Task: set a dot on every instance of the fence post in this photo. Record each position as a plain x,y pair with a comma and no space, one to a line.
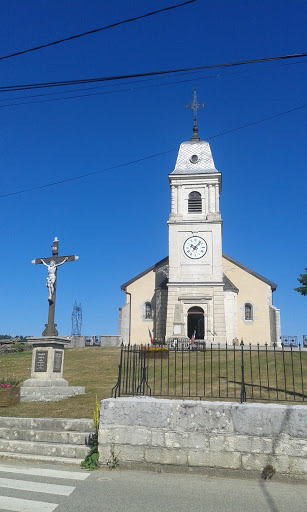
243,391
116,388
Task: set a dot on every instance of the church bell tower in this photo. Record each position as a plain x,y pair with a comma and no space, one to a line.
195,303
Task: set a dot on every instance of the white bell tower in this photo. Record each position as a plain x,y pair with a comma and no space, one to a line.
195,287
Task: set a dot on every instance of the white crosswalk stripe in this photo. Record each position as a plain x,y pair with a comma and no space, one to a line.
25,485
54,473
19,503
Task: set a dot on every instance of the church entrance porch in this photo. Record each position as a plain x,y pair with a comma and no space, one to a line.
196,323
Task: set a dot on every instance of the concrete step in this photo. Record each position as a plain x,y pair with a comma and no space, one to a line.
52,424
61,440
52,394
49,449
39,458
44,436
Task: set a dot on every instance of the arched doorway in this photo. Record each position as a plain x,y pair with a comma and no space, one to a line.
196,321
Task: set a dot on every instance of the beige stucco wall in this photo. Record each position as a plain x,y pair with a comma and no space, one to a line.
257,293
141,291
251,290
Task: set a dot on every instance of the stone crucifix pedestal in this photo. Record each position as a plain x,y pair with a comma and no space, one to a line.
46,382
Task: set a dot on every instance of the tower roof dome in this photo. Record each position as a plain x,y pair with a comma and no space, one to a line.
194,158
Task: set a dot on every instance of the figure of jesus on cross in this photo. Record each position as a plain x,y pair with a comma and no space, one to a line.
51,278
54,262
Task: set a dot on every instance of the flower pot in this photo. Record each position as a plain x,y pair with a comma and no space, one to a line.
9,396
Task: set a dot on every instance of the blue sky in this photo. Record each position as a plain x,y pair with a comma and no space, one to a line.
116,220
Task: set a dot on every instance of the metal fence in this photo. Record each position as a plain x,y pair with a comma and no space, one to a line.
214,372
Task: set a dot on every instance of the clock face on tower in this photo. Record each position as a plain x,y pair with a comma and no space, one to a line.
195,247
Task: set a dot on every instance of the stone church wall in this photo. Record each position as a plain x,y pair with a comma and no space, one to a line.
160,313
190,435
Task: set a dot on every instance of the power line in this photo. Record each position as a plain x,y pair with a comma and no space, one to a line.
107,85
147,157
63,83
112,25
113,91
133,82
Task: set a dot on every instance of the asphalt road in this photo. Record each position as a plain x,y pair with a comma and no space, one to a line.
26,487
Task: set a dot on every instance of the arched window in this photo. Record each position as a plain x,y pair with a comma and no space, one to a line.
248,312
148,310
194,202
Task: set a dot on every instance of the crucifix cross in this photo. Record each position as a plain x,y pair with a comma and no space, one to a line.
52,264
195,105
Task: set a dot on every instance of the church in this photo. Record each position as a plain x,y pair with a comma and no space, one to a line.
198,292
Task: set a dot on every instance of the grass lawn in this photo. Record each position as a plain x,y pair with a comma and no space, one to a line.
93,367
195,374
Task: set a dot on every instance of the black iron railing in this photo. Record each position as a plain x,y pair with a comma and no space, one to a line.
214,372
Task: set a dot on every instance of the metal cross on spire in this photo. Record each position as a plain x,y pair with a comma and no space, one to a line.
195,105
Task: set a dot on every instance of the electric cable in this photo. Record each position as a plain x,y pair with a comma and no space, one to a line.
112,25
219,75
74,178
63,83
112,91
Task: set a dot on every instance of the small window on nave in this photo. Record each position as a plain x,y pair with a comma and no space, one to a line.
148,310
194,202
248,312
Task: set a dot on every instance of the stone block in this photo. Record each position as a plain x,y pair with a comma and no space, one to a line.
288,446
298,465
49,449
217,443
125,435
259,419
53,424
164,456
257,462
248,444
158,438
214,459
34,436
297,421
46,383
105,454
128,453
110,341
142,411
49,394
205,416
186,440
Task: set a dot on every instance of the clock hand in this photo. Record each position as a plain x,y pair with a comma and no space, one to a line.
194,247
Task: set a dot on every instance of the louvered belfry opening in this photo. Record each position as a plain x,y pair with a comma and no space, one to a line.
194,202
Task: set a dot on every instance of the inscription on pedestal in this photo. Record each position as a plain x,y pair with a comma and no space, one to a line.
41,358
57,361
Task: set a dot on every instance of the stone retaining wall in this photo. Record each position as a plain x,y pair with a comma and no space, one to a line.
188,435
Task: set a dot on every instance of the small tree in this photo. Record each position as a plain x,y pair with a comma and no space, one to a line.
303,280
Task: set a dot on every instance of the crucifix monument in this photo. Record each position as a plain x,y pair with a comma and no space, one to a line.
54,261
46,382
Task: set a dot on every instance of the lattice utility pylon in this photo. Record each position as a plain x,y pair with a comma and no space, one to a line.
76,319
